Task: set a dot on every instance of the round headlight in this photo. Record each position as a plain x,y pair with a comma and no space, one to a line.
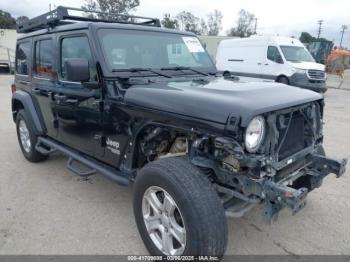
254,134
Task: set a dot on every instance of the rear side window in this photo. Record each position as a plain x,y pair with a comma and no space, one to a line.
22,58
43,58
273,54
76,47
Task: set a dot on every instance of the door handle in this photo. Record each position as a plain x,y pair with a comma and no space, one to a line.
266,64
71,101
59,97
259,64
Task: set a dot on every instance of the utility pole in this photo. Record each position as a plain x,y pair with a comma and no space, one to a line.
256,25
320,22
343,28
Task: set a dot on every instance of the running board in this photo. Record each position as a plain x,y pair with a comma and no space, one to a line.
113,174
75,170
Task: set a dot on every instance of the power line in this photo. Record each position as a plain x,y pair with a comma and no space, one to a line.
343,28
320,22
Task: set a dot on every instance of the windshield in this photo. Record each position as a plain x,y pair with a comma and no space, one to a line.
296,54
127,49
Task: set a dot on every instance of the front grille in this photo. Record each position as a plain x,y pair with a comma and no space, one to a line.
316,74
297,129
292,139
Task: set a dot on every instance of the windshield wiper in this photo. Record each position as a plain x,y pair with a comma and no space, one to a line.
136,69
180,68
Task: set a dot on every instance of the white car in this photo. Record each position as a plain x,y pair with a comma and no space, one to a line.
272,58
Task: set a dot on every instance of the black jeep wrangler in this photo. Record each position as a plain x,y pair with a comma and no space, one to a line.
146,106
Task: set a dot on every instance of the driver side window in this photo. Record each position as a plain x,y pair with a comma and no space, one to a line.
77,47
273,54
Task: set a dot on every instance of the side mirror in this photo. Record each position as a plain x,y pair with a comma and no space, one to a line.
279,59
77,70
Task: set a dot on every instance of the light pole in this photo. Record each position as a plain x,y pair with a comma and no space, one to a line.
343,28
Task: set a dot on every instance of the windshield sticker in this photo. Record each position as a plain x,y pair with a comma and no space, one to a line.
193,44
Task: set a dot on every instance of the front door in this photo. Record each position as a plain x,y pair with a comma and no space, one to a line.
77,107
273,63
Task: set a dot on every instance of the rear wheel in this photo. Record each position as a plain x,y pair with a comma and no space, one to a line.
177,210
27,139
283,80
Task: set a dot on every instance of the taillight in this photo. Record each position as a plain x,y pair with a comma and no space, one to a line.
13,88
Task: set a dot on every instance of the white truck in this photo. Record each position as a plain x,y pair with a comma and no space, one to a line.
272,58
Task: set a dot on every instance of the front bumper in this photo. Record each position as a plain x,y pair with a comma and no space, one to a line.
302,80
292,192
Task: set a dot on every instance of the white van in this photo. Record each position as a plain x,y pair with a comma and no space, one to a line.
272,58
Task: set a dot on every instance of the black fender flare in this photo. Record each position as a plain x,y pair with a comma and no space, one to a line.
26,100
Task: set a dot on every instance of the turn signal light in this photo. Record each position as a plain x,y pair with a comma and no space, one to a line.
13,88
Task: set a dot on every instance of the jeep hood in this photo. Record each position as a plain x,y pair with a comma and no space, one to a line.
215,100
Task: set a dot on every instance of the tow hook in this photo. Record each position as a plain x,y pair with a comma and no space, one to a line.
279,196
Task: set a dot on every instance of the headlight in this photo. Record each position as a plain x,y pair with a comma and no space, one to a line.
300,71
254,134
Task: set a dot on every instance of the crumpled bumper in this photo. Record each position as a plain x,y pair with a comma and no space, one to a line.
280,195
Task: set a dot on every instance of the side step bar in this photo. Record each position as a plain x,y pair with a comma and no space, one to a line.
113,174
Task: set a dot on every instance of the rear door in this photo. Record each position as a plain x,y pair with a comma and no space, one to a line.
44,80
23,65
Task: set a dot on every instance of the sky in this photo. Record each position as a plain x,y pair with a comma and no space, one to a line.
275,17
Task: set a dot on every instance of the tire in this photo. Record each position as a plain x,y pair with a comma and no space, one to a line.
201,211
283,80
28,149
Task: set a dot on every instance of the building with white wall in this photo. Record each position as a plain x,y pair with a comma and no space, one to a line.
7,49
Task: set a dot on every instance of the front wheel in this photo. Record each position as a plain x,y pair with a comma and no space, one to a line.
177,210
283,80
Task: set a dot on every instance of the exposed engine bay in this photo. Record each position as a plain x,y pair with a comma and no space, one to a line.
287,165
159,142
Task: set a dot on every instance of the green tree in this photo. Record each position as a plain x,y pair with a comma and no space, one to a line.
189,22
110,6
245,25
203,29
6,20
169,22
214,22
305,37
22,19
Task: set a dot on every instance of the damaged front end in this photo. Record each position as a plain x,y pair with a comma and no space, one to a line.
288,165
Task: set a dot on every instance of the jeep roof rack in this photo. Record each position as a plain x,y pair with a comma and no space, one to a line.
56,17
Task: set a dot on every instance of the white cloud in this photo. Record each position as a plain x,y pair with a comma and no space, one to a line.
274,16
